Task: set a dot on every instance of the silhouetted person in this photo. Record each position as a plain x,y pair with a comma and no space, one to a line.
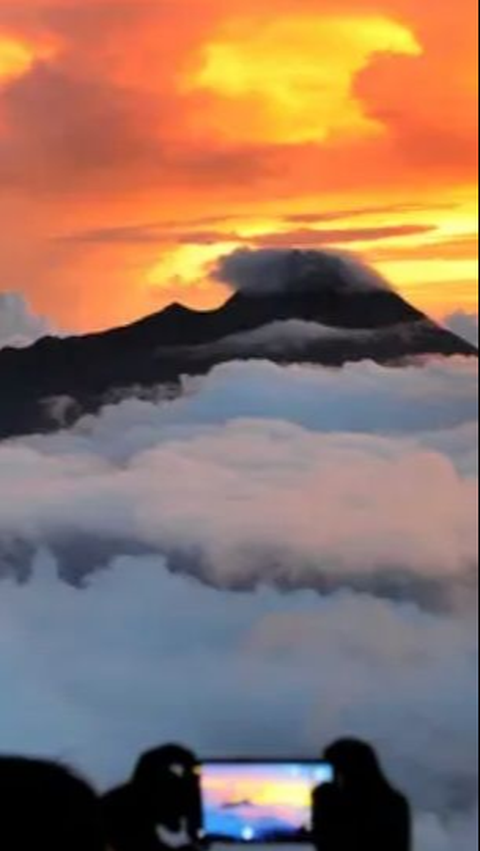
45,806
161,806
360,811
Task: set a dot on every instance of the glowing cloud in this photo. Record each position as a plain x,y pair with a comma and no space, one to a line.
248,118
185,272
279,91
18,57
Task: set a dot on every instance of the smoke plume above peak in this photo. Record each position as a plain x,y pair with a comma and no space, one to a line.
280,271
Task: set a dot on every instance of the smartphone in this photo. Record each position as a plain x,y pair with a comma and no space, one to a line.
267,802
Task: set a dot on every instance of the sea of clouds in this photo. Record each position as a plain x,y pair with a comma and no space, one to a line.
279,557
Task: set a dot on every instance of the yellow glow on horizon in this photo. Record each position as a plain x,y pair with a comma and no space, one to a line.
18,57
184,272
429,271
291,793
425,267
187,265
292,81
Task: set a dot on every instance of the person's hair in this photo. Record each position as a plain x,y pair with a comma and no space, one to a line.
155,764
44,805
357,764
163,794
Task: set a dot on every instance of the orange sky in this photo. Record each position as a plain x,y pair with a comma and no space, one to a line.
142,139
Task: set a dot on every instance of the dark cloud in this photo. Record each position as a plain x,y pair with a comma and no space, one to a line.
360,212
464,247
309,237
148,234
164,235
92,129
279,270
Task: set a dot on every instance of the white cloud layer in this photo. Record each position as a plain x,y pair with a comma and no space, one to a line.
279,270
142,656
360,484
288,340
252,503
240,499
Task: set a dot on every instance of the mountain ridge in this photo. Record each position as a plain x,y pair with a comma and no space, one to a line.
89,370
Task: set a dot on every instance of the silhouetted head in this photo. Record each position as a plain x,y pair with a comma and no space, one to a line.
162,779
156,765
45,806
356,764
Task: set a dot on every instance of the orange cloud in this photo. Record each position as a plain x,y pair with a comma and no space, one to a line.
271,87
15,58
245,113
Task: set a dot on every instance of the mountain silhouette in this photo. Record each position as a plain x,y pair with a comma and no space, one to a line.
323,317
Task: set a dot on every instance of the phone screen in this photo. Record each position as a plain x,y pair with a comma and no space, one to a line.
264,802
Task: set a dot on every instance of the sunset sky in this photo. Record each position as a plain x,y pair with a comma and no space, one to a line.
140,140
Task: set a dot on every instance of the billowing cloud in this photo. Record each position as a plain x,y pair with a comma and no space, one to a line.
353,489
18,326
115,669
359,398
288,339
239,522
284,270
434,834
270,75
309,512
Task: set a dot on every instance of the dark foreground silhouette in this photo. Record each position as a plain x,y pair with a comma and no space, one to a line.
44,806
360,811
160,807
